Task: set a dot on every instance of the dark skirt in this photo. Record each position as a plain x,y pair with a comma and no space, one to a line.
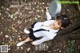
31,35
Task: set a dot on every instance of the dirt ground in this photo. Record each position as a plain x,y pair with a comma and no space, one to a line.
15,15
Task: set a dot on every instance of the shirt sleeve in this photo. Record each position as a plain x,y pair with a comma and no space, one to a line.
48,15
50,35
48,22
37,42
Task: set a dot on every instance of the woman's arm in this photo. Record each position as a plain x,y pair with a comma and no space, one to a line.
48,16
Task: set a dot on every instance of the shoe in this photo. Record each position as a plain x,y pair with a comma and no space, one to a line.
20,43
26,31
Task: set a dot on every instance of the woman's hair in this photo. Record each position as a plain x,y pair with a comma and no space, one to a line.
64,20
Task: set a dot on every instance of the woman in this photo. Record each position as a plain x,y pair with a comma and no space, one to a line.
45,31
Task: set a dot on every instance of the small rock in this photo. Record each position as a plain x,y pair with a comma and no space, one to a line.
35,3
30,20
47,46
37,6
21,47
30,12
33,8
2,18
20,38
67,9
43,3
1,32
7,8
36,18
54,49
28,49
19,22
25,21
3,42
0,13
18,47
49,51
12,16
42,10
64,46
26,8
48,4
38,10
6,36
59,50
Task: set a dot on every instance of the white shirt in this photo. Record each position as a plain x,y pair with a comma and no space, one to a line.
46,35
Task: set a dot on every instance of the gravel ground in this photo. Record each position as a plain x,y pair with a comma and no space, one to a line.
15,15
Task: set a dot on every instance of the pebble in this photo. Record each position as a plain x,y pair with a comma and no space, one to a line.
54,49
30,12
3,42
20,38
25,21
6,36
38,10
47,3
30,20
42,10
11,16
64,46
1,32
47,46
35,3
59,50
19,22
29,4
36,18
26,8
21,47
43,3
2,18
49,51
33,8
67,9
28,49
10,38
18,47
7,8
0,13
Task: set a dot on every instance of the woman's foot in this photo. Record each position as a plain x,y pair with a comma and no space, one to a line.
20,43
26,31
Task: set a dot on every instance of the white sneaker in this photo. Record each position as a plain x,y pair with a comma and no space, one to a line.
26,31
20,43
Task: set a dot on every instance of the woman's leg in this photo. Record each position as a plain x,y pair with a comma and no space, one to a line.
22,42
27,40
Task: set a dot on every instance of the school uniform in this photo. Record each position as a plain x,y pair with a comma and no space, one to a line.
40,33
